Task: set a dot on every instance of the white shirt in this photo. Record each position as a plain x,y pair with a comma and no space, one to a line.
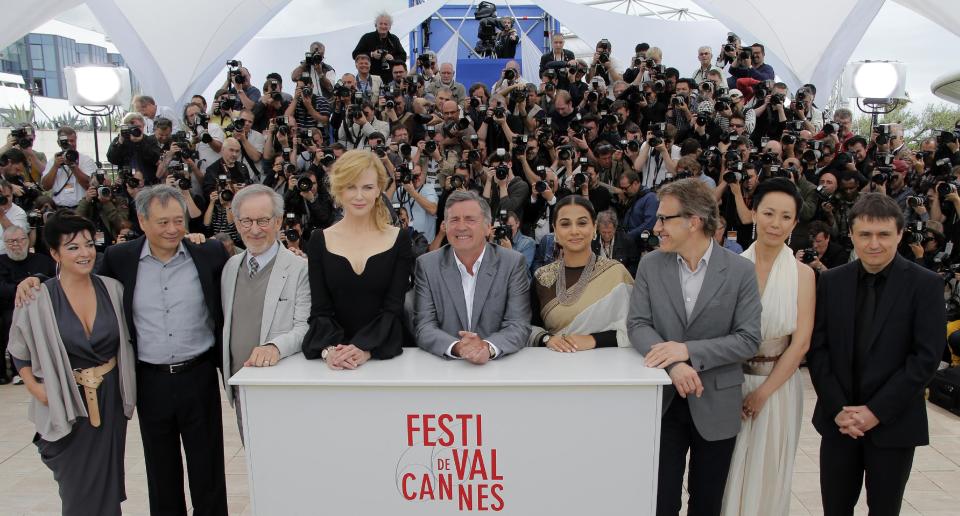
468,280
70,192
692,281
18,217
652,175
257,140
205,151
162,112
419,218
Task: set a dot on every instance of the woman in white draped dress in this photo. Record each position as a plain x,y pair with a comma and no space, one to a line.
762,467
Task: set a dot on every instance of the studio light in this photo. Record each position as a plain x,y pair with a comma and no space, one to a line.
875,80
97,85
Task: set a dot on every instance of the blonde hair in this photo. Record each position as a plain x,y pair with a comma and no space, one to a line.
346,171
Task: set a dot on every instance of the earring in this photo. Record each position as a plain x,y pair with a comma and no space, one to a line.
58,270
789,238
753,235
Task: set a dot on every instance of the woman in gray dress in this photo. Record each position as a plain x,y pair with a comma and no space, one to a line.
73,351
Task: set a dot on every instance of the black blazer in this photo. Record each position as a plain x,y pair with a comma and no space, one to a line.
908,341
547,58
122,261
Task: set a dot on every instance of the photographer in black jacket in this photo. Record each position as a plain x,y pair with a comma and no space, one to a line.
135,149
382,47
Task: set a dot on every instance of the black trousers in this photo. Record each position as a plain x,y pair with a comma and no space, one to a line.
182,407
709,465
6,320
845,461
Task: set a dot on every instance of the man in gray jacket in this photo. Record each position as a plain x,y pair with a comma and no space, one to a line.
695,311
472,297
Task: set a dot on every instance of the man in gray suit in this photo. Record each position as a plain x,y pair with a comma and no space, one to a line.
472,297
265,291
695,311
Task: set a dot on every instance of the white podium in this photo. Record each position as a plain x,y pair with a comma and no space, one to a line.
534,433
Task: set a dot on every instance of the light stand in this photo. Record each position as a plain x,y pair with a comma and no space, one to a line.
95,112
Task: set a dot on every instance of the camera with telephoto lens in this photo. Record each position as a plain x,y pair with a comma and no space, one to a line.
731,177
501,230
290,233
230,102
312,58
181,174
649,239
430,147
328,158
564,152
405,173
35,218
914,233
788,139
579,179
744,55
916,201
24,136
831,128
777,99
127,130
501,171
456,181
103,192
304,183
810,255
341,91
945,188
883,132
380,150
881,176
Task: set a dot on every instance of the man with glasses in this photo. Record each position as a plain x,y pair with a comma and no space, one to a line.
266,279
251,143
701,335
18,264
705,56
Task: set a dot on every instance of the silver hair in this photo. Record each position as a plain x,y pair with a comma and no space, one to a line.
844,113
464,196
162,193
607,217
131,116
13,228
382,15
252,190
705,48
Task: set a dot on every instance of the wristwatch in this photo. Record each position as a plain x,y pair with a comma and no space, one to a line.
325,352
493,350
545,338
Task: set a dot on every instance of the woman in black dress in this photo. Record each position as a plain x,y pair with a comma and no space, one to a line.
72,349
359,271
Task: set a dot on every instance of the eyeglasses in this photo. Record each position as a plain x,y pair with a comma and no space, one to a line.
13,241
247,223
664,218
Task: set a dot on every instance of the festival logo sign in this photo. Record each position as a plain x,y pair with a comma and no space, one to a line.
447,462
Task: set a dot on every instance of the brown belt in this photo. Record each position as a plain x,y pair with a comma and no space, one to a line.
91,378
761,359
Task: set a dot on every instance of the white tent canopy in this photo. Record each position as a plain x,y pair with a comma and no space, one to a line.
178,47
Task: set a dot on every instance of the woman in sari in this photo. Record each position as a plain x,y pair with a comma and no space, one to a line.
582,298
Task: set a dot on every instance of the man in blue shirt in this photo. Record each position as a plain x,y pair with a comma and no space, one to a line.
754,67
641,213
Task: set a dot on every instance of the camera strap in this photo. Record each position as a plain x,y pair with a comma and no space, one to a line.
67,182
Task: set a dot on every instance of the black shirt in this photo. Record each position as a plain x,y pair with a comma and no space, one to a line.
13,272
869,293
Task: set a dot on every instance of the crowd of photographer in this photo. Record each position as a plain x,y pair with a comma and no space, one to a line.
587,130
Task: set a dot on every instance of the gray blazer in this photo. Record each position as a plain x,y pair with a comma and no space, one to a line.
501,302
723,330
286,306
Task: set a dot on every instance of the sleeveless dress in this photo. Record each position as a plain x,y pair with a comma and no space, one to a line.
761,470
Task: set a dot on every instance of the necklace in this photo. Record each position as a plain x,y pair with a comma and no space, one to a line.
566,297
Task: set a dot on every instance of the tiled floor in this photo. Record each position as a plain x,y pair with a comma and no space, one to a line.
27,486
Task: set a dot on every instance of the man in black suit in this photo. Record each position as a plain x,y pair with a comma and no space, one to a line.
383,48
557,53
171,300
877,340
